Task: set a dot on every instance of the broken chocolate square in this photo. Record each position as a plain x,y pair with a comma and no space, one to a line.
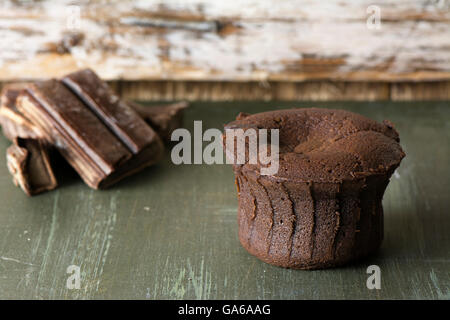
28,162
122,120
164,119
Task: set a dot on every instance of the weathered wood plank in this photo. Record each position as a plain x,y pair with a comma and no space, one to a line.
236,91
407,91
281,91
227,40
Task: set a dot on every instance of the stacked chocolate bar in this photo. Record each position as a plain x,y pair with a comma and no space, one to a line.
100,135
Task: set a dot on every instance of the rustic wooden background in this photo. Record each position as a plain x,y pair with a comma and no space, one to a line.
235,50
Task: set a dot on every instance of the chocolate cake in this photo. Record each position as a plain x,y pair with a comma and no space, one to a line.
323,207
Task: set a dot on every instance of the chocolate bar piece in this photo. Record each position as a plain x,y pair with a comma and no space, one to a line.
14,123
102,139
164,119
122,120
29,164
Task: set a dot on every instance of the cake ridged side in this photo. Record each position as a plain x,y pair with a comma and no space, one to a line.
306,225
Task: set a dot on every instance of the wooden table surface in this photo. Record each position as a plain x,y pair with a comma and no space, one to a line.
170,232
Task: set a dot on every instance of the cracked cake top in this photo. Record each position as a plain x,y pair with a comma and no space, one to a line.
326,145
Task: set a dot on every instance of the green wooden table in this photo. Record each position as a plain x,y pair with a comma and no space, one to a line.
170,232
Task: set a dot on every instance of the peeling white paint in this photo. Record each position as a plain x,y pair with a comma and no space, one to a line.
270,39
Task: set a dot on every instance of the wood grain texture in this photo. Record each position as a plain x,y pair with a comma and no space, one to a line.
420,91
283,91
239,40
238,91
280,91
171,232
